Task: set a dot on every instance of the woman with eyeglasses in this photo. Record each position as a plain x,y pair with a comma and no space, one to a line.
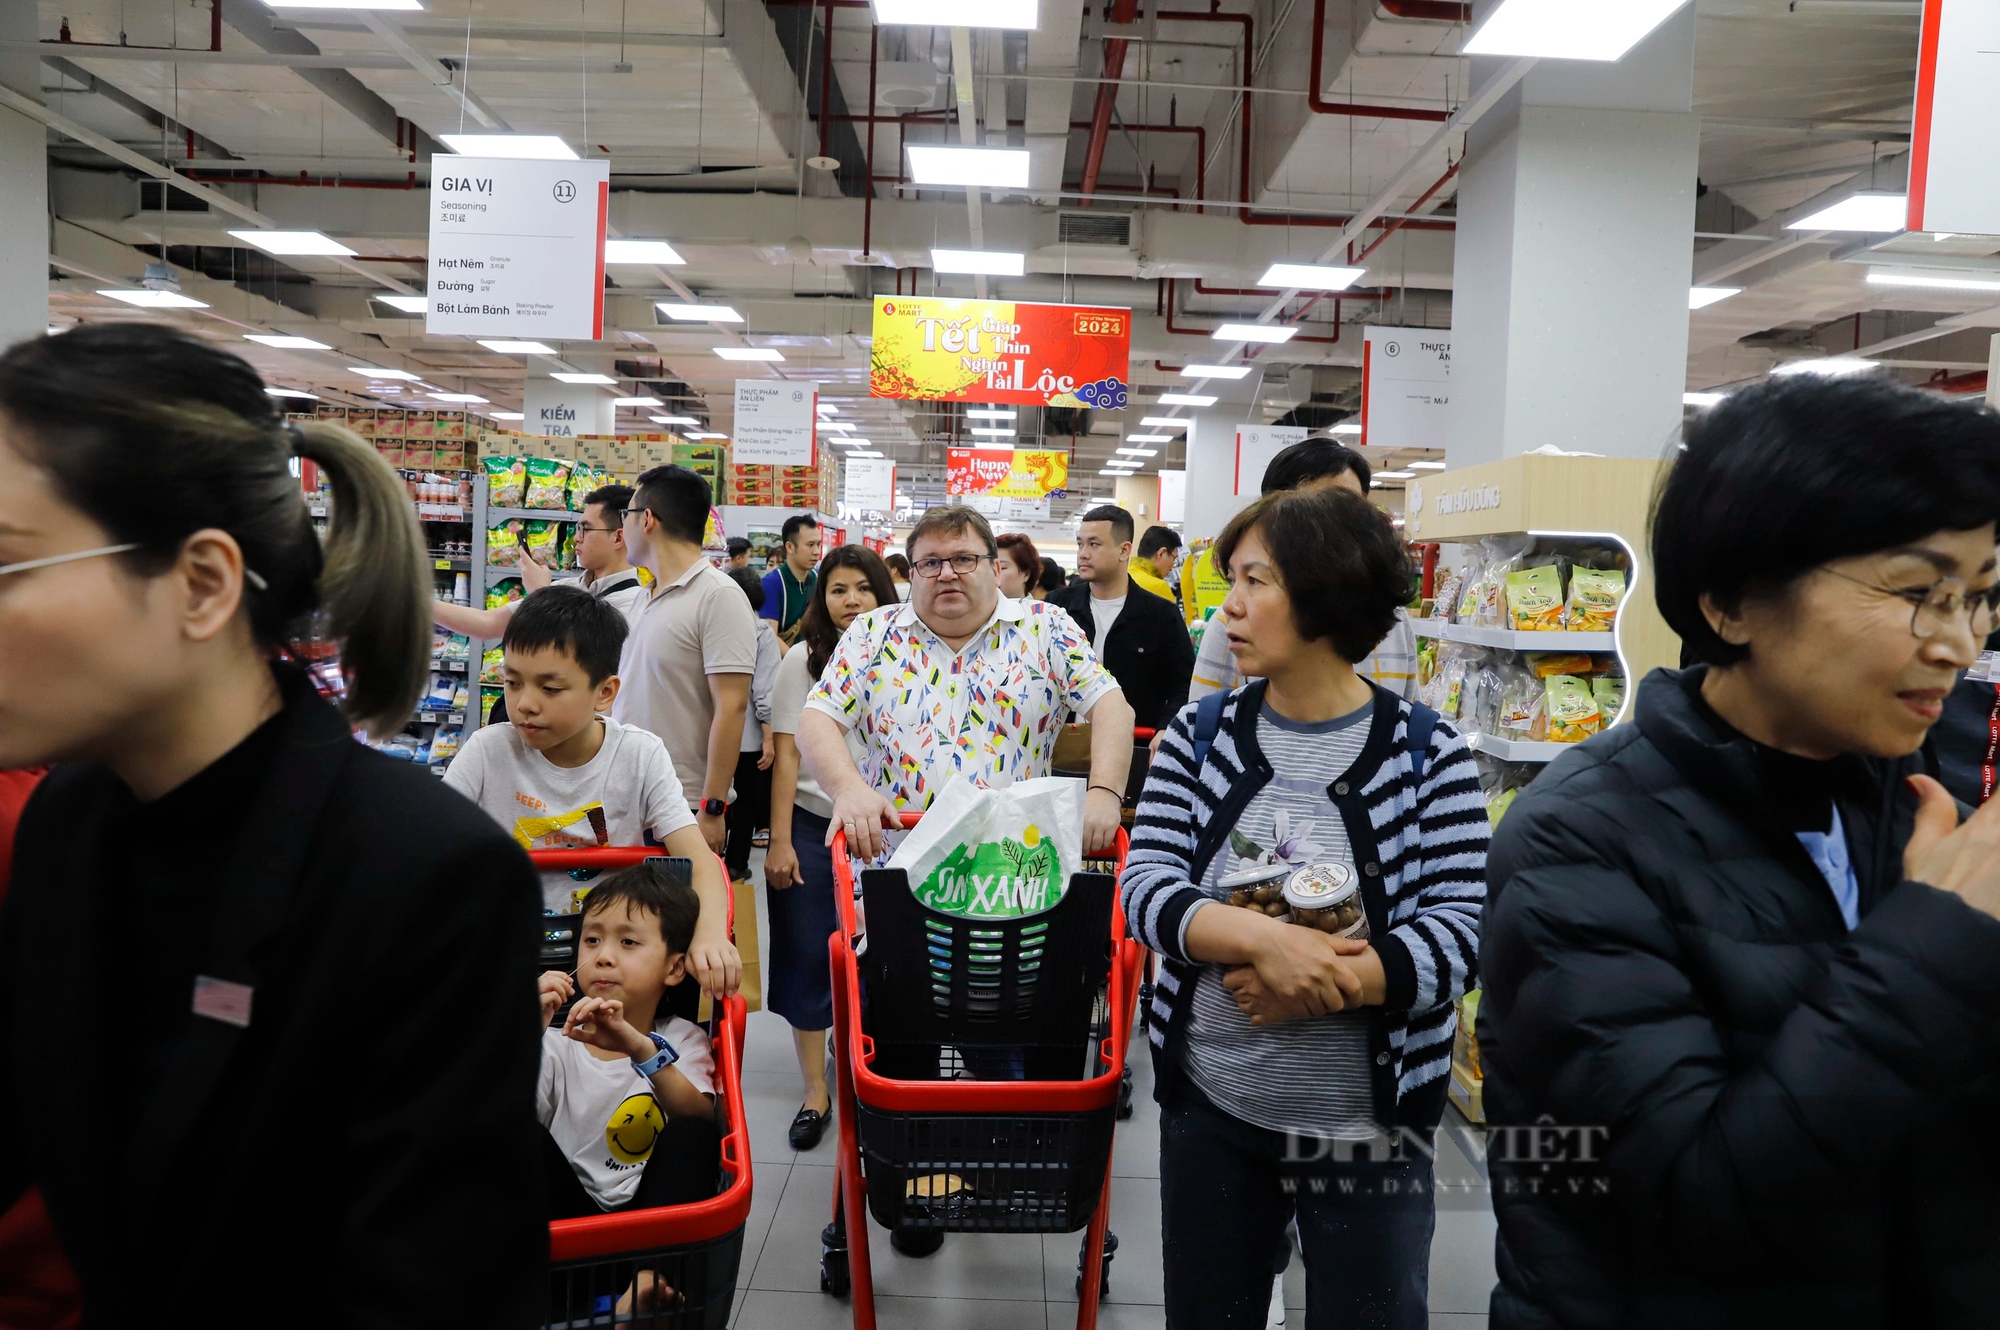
239,949
1742,957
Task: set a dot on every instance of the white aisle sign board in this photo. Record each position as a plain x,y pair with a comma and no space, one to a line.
1256,445
775,423
1405,387
1953,186
1173,497
870,485
517,248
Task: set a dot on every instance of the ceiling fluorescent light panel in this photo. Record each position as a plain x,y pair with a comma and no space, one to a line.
1309,277
990,168
583,378
510,347
1185,399
700,313
1253,332
1214,372
541,147
1867,211
1701,297
1569,29
749,353
641,251
408,304
284,343
289,243
1016,15
978,262
146,298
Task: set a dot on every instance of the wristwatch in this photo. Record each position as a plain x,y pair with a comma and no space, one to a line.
713,807
664,1055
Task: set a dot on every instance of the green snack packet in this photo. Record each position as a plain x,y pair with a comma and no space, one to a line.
506,478
1594,594
1608,690
543,542
548,483
1534,600
1573,714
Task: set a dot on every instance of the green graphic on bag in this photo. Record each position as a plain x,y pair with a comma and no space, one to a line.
996,879
995,854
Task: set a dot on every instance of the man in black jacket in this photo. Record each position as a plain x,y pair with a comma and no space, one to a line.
1139,636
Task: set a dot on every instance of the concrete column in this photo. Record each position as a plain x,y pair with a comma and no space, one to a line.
1575,227
24,199
1140,496
1211,470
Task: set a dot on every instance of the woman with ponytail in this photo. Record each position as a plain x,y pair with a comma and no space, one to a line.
265,995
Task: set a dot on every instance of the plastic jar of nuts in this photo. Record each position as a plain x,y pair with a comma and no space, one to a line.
1327,897
1260,887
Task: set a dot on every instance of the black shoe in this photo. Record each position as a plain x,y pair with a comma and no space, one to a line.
916,1241
808,1127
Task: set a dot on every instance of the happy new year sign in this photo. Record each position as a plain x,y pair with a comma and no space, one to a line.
997,351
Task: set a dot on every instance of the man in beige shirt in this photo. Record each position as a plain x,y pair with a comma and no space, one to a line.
685,672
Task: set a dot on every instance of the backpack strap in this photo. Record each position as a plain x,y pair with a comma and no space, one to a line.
1417,738
1207,720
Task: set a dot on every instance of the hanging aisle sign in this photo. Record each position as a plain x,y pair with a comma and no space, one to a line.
934,350
1405,387
870,484
776,421
1953,186
517,247
1256,445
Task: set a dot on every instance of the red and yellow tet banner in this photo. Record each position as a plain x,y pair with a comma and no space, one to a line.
934,350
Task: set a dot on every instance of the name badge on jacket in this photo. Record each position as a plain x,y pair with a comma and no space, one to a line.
221,1000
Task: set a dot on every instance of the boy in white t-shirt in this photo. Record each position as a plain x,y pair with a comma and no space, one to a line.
626,1090
563,775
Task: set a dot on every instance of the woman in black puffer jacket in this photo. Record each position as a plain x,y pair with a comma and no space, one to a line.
1743,946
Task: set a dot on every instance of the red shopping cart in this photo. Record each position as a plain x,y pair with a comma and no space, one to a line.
1040,1005
607,1270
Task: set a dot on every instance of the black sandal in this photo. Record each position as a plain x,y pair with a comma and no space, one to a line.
808,1127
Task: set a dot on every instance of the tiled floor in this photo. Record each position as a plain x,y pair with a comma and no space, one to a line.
1018,1282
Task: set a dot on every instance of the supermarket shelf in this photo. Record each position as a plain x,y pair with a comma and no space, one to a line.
1480,636
1520,750
531,515
452,666
449,563
440,717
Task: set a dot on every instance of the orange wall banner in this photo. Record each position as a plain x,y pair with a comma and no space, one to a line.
1006,473
933,350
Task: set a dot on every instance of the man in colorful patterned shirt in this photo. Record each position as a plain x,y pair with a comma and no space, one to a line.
959,680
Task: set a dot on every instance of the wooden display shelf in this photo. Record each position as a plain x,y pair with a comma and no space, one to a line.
1580,498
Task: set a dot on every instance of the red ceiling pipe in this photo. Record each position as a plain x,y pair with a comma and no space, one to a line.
215,25
1402,223
1200,147
1205,332
1317,80
1121,11
1439,11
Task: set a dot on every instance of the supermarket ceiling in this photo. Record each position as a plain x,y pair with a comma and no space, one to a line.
728,139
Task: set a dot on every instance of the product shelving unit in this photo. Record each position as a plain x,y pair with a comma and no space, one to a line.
1602,501
483,516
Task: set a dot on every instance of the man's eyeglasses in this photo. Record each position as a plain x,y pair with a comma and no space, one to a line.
624,513
1935,608
961,564
607,530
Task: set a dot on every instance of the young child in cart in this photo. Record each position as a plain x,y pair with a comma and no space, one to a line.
627,1092
563,775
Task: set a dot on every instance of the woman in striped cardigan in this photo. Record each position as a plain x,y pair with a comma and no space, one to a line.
1278,1048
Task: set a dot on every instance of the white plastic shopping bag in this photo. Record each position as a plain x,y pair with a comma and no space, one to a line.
995,854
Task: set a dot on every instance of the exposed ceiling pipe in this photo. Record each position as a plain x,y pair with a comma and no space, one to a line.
1122,11
118,152
1436,11
1316,80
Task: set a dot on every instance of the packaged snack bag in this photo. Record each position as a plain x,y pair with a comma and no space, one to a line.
1534,600
489,671
1573,714
568,552
503,543
995,854
1608,690
506,477
487,697
1594,594
504,592
582,480
1547,663
1523,708
1496,807
543,542
548,483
